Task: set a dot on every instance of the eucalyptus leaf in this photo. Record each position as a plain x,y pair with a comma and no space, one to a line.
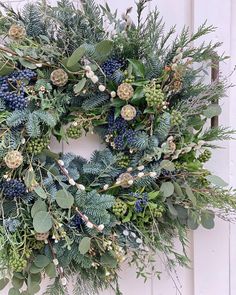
3,283
207,219
172,209
13,291
178,190
5,69
34,269
17,283
138,67
76,56
42,222
104,47
27,64
212,111
109,260
167,165
192,221
50,270
80,85
167,189
84,245
41,261
39,205
190,194
216,180
64,199
40,192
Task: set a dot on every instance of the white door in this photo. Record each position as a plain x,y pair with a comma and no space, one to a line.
213,253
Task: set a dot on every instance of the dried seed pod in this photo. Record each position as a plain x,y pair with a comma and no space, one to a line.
125,91
41,237
128,112
59,77
125,180
13,159
17,32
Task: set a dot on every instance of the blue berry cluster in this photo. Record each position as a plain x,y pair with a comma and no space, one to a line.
13,188
12,88
141,202
122,135
77,221
111,65
11,224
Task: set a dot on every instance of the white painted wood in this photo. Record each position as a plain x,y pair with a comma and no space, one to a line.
213,252
211,248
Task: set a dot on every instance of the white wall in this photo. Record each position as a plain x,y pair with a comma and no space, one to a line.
213,252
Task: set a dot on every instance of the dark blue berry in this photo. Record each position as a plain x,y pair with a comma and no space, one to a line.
12,88
111,65
77,221
13,188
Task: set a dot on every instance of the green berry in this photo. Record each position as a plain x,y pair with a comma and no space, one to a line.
176,118
16,262
120,208
37,145
155,96
123,161
158,212
205,156
74,131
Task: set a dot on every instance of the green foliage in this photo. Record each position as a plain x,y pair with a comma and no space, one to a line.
147,186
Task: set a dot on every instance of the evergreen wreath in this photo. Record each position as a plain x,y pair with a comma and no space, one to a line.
64,74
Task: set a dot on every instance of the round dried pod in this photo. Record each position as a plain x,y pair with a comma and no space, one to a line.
128,112
125,91
41,237
59,77
16,32
125,180
13,159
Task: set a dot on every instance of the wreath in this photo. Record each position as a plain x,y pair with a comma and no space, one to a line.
66,72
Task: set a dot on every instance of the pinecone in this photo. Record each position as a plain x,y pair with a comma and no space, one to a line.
13,159
125,91
41,237
17,32
128,112
59,77
120,208
125,180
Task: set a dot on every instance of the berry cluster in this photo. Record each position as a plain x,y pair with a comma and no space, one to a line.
74,131
13,188
120,208
11,224
77,221
158,212
141,202
111,65
16,262
37,145
123,161
12,89
176,118
119,135
155,96
205,156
